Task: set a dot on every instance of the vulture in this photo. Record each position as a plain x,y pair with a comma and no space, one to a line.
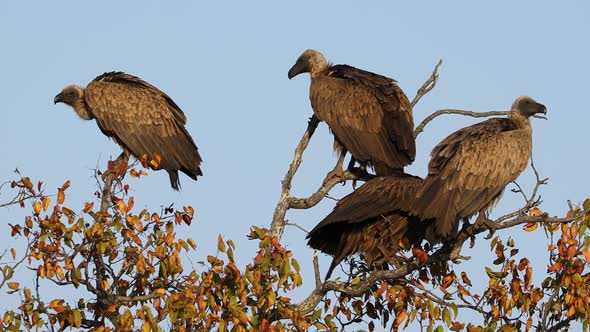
368,114
373,221
142,119
469,169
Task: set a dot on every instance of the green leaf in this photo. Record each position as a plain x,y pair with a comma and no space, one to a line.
446,315
295,264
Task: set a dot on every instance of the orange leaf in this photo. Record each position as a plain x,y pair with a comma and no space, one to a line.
382,289
46,201
465,279
88,207
60,196
66,185
420,254
13,252
189,210
13,285
535,212
555,267
400,317
571,251
586,254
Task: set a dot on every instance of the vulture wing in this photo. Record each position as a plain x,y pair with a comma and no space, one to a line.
372,220
469,169
368,113
143,120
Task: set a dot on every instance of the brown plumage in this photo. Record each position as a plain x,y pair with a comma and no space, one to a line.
368,114
373,221
470,168
142,119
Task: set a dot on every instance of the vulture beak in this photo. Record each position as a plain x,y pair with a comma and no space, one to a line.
58,98
298,68
542,109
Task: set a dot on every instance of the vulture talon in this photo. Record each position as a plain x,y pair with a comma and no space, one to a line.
336,173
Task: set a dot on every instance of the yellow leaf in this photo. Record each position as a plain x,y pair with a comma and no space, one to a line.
530,226
37,207
160,291
46,202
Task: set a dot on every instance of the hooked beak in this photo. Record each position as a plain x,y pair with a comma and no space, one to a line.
542,110
58,98
297,69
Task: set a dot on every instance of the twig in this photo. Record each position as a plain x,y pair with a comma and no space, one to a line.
428,85
288,223
316,269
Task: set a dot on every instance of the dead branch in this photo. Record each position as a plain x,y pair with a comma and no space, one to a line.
278,220
438,113
428,85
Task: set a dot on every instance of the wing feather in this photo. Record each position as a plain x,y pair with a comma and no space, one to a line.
469,169
143,120
368,113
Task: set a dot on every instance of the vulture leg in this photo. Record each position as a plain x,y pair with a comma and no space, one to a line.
482,222
337,172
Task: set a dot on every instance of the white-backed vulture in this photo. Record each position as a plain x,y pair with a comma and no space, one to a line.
142,119
469,169
369,114
372,221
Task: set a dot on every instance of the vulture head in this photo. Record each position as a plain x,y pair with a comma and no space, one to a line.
73,95
526,106
69,95
309,62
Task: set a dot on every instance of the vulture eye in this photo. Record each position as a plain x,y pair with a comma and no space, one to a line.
70,94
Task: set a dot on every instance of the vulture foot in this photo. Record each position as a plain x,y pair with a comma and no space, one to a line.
361,174
337,173
481,223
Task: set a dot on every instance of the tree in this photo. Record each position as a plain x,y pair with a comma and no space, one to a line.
128,269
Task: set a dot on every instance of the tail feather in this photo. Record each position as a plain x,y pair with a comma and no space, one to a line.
174,181
436,202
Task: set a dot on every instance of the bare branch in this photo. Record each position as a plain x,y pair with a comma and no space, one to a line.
278,220
288,223
428,85
321,193
316,269
438,113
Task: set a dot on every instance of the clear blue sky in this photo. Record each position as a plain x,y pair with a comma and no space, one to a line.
226,65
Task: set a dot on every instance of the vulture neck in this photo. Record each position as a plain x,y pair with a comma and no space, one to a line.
318,68
81,108
520,121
